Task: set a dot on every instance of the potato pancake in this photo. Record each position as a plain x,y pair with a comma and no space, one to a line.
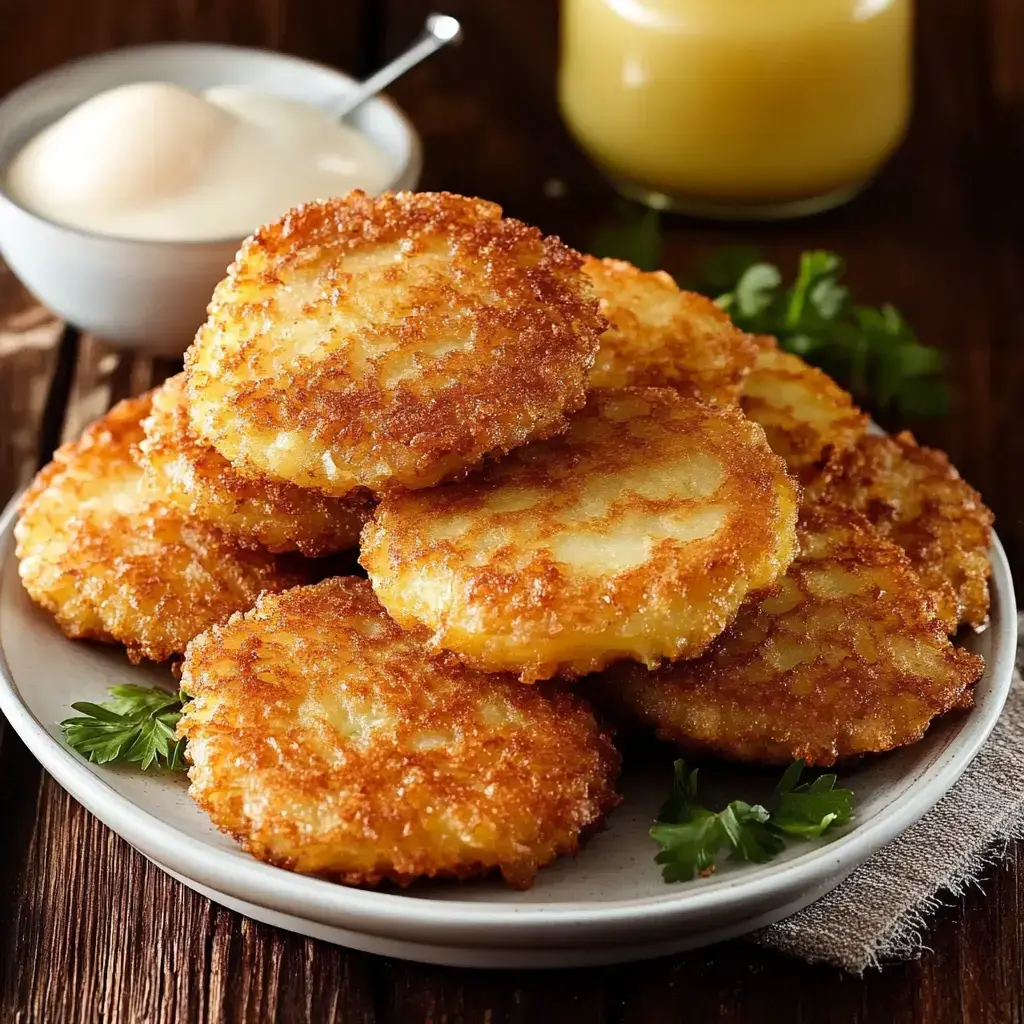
918,500
845,657
661,336
390,342
257,513
637,534
354,754
115,561
804,412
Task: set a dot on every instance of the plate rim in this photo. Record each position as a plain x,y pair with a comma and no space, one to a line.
375,912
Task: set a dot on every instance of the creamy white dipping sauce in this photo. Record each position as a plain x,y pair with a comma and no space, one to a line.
154,161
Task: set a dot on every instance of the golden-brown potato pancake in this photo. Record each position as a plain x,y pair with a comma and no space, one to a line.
635,535
663,337
845,657
114,561
257,513
390,342
918,500
803,411
352,753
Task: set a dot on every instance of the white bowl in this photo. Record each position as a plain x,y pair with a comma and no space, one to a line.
153,295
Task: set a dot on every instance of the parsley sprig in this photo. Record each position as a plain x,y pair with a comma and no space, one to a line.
872,351
691,837
137,725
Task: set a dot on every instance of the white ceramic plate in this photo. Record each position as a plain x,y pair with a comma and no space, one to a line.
607,905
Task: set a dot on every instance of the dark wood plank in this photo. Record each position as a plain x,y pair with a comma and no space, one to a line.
99,934
92,387
29,339
421,993
42,35
51,427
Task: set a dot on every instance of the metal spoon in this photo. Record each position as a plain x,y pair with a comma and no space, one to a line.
439,31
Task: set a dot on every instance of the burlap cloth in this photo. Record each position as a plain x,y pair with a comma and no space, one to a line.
881,911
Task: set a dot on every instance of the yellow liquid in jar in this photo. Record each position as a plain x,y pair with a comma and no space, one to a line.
737,102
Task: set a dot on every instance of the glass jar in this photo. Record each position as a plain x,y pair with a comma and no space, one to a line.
737,108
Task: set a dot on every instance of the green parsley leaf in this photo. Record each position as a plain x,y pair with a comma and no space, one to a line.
755,291
684,794
137,725
809,810
689,848
746,826
130,699
816,296
691,837
873,352
790,778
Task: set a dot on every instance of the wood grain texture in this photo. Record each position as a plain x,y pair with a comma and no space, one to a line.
38,36
29,337
89,931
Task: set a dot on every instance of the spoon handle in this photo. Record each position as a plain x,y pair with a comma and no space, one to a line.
439,31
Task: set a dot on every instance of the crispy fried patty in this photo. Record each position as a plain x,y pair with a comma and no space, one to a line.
805,413
917,499
845,657
113,560
663,337
350,752
635,535
257,513
390,342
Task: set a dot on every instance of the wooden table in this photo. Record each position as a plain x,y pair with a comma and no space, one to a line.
89,931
